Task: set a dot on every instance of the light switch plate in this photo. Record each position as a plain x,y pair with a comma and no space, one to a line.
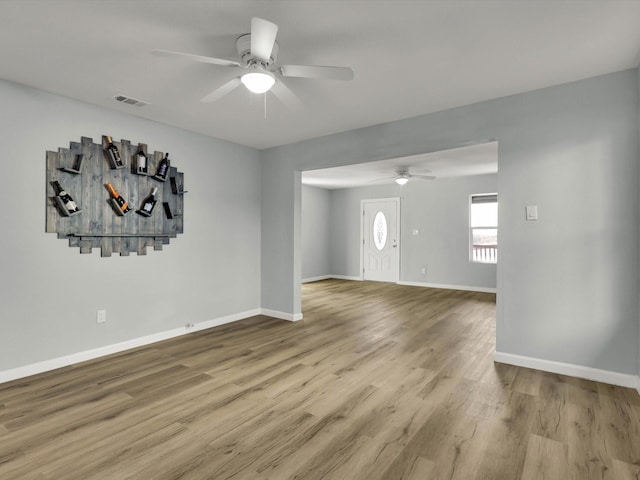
532,212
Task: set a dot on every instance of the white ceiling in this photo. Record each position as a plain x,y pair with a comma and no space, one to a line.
409,57
477,159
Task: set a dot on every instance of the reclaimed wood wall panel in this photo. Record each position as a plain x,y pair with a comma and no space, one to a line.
98,225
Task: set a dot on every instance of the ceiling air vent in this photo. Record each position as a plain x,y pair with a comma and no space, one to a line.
130,101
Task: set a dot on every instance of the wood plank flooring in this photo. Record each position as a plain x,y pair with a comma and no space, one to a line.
377,382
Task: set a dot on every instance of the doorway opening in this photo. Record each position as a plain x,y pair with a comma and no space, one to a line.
345,235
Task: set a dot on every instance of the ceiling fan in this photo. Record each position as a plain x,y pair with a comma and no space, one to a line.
258,52
402,175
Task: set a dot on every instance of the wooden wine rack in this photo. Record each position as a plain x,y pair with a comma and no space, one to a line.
98,225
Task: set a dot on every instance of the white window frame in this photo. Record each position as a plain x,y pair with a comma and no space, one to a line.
492,254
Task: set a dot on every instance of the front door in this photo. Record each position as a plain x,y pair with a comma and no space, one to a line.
380,231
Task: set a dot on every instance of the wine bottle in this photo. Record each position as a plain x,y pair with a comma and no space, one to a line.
122,204
66,199
141,163
114,154
149,203
163,168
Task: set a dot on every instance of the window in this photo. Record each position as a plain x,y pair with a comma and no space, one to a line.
483,216
380,231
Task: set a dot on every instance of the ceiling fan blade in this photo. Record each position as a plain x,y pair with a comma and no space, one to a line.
286,96
383,179
221,91
317,71
196,58
263,36
423,177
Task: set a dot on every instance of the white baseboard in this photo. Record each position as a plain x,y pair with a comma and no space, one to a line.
588,373
316,279
66,360
346,277
326,277
411,284
223,320
449,287
291,317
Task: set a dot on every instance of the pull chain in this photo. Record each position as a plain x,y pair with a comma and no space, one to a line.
251,96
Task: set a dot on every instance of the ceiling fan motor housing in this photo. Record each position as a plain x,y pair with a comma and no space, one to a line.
402,172
243,46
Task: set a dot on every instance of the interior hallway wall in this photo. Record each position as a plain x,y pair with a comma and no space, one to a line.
315,232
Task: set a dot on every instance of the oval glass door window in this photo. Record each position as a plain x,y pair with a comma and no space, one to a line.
380,231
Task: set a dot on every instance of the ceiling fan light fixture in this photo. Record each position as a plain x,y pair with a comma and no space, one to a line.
258,82
401,180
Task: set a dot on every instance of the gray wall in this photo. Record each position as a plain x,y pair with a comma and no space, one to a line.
315,232
438,209
281,240
50,293
568,283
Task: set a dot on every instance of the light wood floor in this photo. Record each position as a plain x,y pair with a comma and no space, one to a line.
378,382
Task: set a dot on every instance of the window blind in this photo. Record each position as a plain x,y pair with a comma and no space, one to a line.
489,198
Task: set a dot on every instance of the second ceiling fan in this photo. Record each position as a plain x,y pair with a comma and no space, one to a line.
403,175
258,52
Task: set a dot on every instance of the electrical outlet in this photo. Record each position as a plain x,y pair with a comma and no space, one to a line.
101,316
189,325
